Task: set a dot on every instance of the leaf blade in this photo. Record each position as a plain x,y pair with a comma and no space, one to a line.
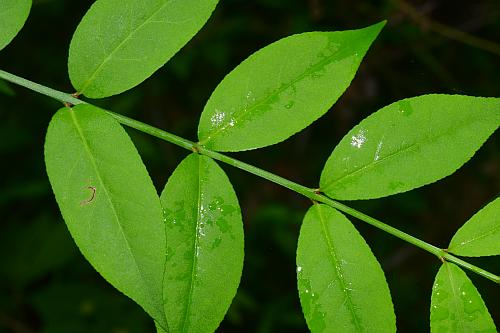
13,15
456,305
205,251
480,236
300,76
431,136
344,290
108,202
118,44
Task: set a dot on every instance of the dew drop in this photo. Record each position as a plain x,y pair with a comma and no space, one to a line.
289,105
377,152
359,139
250,97
217,118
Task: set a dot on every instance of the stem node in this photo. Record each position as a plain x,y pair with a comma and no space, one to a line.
195,148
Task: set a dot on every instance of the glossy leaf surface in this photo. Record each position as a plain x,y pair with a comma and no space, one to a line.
341,285
456,305
408,144
13,14
480,236
108,202
282,88
120,43
205,248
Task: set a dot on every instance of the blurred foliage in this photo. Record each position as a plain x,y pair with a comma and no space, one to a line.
47,286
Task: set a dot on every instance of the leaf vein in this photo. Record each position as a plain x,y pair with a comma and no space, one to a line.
108,196
118,47
458,318
195,249
242,113
339,274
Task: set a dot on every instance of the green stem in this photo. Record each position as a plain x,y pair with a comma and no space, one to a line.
305,191
156,132
60,96
451,258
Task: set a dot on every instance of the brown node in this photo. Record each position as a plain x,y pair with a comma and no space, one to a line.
195,149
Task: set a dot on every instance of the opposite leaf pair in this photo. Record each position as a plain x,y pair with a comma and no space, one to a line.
456,305
121,226
342,287
405,145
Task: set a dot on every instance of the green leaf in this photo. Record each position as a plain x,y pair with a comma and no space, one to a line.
456,305
108,202
120,43
205,249
13,15
408,144
341,285
282,88
480,236
159,329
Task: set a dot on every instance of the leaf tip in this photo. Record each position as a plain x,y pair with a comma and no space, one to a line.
377,27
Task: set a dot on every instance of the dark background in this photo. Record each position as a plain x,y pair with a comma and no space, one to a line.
47,286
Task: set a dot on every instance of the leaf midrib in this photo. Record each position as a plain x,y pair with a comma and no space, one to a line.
195,246
125,40
455,297
338,269
246,111
107,195
372,164
480,236
428,139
